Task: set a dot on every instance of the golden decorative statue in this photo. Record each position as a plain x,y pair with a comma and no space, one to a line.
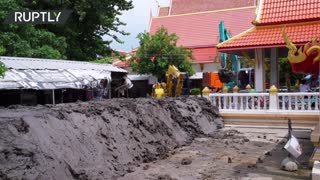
172,73
306,58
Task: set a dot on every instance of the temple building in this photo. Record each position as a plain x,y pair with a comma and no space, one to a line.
196,23
278,25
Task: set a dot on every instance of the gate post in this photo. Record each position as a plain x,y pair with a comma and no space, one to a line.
273,99
206,93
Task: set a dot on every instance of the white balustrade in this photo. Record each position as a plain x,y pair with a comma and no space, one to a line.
300,101
266,102
240,101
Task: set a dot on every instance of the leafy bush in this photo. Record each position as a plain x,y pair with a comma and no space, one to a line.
195,91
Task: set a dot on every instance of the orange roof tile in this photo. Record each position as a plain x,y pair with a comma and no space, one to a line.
267,37
121,64
193,6
205,55
284,11
202,29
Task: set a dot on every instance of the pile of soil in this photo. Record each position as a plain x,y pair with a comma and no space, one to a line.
98,140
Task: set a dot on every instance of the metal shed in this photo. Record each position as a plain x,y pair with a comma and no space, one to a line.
51,74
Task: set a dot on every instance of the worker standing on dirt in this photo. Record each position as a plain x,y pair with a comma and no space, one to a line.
126,85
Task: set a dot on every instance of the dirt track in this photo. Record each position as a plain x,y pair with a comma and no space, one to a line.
234,153
98,140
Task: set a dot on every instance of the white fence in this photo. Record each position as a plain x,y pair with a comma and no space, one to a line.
266,102
299,101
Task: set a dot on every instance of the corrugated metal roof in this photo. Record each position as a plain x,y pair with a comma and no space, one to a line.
143,77
52,79
37,63
139,77
198,75
41,74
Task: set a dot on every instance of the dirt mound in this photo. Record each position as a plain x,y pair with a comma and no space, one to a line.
98,140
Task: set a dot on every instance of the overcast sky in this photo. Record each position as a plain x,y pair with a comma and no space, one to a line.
137,20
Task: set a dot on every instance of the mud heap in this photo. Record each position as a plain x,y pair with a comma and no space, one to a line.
98,140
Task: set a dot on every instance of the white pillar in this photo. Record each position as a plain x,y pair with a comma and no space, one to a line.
273,99
273,102
274,72
316,170
259,71
235,98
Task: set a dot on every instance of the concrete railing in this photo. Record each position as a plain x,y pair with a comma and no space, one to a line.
266,101
299,101
240,101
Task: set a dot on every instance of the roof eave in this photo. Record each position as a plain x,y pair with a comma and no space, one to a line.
204,62
235,37
201,46
241,48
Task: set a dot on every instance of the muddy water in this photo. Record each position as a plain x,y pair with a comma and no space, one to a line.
98,140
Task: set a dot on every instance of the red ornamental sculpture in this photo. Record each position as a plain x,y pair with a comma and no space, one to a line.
306,59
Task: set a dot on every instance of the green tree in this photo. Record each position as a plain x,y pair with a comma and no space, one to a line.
109,59
105,60
27,40
89,21
158,51
3,68
285,67
79,39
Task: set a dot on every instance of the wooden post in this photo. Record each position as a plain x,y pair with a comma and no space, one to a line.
53,97
62,91
21,96
109,90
